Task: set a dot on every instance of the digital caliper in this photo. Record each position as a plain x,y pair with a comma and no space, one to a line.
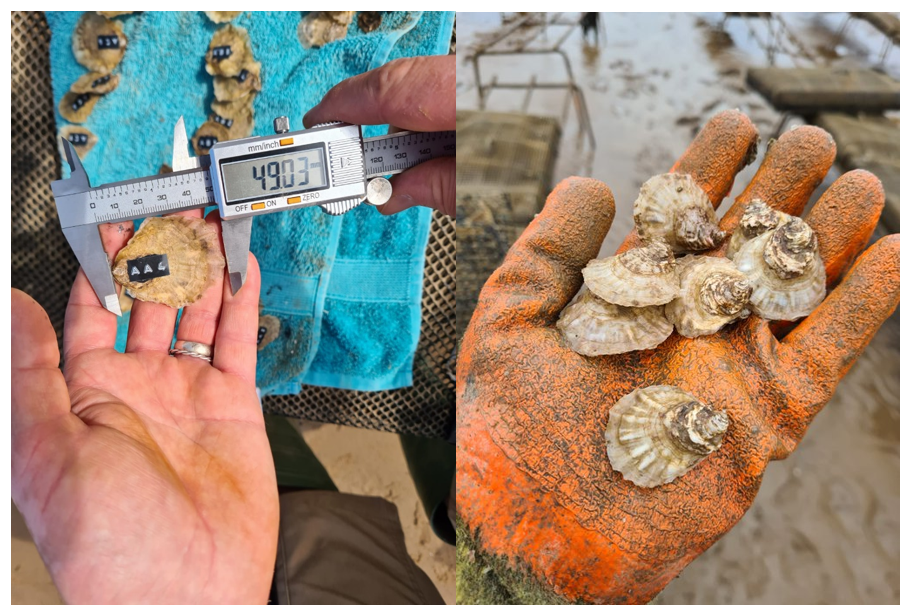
330,166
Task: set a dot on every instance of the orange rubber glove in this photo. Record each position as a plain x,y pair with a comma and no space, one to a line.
535,491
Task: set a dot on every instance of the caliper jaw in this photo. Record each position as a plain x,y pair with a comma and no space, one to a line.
182,161
85,241
237,236
78,178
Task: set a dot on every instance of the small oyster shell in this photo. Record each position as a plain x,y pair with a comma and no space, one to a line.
268,329
98,43
81,138
593,327
207,135
672,206
235,115
248,81
229,52
342,17
636,278
319,28
786,271
95,83
112,14
657,434
77,107
369,21
758,217
222,16
713,293
193,255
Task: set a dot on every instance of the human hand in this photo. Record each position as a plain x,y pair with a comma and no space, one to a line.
536,495
144,477
411,94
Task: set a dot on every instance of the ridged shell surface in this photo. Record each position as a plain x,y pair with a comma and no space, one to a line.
248,81
758,218
673,207
229,52
95,83
208,135
713,293
639,277
656,434
593,327
193,256
98,43
236,113
77,107
764,260
319,28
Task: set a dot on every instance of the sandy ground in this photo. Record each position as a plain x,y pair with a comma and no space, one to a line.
825,525
359,461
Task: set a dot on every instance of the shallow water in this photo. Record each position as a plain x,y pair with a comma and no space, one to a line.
825,525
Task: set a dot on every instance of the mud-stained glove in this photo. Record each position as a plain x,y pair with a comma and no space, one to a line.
542,514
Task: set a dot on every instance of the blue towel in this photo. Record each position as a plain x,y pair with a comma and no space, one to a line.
346,290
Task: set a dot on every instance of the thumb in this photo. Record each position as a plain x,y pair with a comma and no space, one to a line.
432,184
39,392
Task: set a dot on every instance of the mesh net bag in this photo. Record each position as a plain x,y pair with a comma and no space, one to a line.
505,162
44,266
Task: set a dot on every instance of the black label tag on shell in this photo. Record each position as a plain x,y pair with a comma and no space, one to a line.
241,77
148,267
207,142
262,331
221,53
80,100
77,138
100,81
223,120
108,41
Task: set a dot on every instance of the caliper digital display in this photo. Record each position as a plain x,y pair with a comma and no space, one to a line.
294,171
320,166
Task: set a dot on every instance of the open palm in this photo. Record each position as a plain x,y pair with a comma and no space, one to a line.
534,483
144,477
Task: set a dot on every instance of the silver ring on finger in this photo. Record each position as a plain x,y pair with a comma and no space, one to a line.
192,348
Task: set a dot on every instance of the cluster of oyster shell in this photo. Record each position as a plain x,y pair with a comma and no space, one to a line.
237,80
636,299
656,434
98,44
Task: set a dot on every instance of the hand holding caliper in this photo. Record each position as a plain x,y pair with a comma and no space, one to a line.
412,94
